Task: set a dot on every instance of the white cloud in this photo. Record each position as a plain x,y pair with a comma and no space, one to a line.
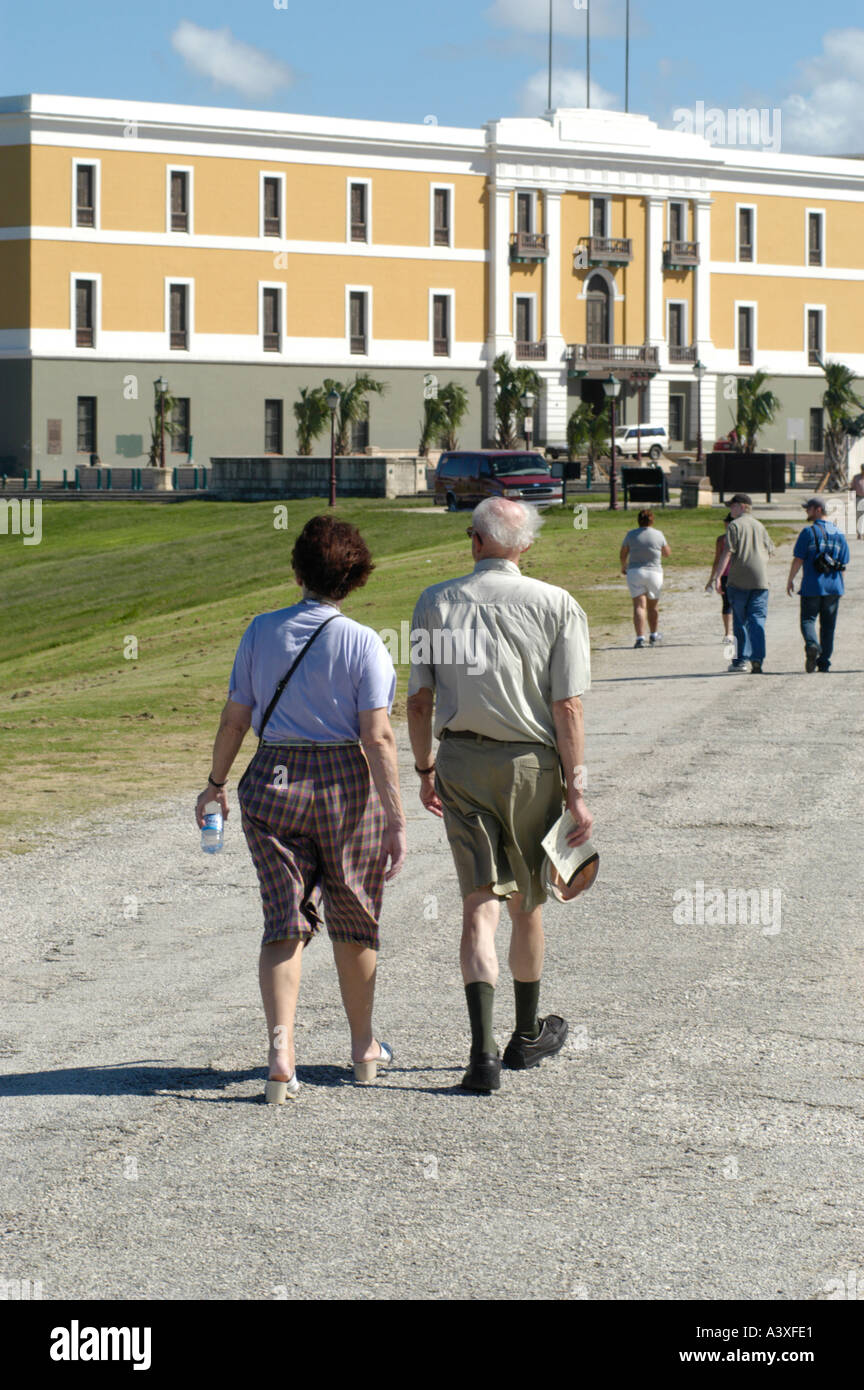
228,62
532,17
825,115
568,89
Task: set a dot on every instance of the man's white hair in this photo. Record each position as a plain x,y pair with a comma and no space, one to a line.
509,524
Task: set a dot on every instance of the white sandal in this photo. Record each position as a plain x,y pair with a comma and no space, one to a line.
367,1072
277,1092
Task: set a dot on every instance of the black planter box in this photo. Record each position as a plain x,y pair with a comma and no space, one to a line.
748,473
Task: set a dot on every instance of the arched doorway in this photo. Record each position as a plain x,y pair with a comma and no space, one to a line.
599,311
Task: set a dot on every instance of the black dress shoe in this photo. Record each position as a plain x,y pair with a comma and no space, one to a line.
484,1072
521,1052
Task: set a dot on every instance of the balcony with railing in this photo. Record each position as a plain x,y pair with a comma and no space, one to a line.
679,353
585,358
680,255
530,352
610,250
526,247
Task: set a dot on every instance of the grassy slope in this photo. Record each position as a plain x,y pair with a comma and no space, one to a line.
184,580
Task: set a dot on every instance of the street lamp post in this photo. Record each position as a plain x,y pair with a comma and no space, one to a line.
699,371
612,387
161,386
332,403
527,403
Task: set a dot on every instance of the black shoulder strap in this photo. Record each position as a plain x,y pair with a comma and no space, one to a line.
289,673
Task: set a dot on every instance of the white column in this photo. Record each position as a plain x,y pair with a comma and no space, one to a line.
553,414
702,279
500,330
655,327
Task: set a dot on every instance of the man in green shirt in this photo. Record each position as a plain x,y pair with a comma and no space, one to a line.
748,547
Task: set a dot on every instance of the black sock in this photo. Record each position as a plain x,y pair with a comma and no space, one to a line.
527,999
481,997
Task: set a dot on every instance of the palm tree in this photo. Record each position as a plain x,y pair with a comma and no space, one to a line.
589,432
513,383
434,424
757,408
840,404
312,415
454,400
164,406
353,405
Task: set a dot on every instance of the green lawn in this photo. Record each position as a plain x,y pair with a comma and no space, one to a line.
83,726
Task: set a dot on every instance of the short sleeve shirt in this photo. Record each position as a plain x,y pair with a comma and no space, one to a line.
346,670
823,535
646,548
750,548
498,648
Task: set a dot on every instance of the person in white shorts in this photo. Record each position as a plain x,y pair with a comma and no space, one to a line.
642,563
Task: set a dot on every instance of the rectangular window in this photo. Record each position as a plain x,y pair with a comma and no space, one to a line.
676,222
442,216
273,427
85,195
180,421
359,212
270,320
524,212
84,297
523,320
360,435
178,298
358,315
814,238
86,424
179,201
441,325
814,336
676,326
598,217
745,234
55,437
817,435
745,337
272,208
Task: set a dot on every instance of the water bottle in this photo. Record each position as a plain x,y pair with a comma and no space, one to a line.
211,831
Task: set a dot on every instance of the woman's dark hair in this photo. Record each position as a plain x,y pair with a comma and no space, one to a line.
646,518
331,557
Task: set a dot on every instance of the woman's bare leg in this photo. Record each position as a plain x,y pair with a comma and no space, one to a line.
355,965
279,970
653,613
639,615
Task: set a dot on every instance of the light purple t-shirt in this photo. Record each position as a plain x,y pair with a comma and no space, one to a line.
347,669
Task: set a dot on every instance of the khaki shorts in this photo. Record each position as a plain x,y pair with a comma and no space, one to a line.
499,801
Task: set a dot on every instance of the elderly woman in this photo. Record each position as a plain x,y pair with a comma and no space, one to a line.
642,564
318,832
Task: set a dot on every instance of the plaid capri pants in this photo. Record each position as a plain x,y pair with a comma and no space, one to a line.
314,824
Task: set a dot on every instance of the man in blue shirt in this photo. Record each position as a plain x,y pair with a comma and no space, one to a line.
821,585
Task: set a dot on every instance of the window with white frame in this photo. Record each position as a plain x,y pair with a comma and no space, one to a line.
179,200
524,316
271,318
677,221
746,233
525,214
178,315
599,217
815,238
86,191
677,323
441,327
85,313
815,336
272,205
746,314
359,198
358,321
442,215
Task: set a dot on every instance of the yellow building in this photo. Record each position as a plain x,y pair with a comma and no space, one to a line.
241,256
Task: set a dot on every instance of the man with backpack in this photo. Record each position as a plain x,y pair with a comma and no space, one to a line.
822,552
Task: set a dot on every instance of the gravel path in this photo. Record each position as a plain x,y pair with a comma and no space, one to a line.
699,1138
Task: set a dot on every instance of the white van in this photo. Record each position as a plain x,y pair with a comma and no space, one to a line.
655,440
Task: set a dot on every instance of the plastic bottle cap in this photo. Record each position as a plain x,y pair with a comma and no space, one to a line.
212,808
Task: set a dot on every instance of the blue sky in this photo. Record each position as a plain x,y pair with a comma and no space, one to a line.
460,61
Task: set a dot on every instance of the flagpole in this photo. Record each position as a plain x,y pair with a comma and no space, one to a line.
588,54
549,106
627,63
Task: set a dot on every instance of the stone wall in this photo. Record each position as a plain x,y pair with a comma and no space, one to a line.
272,479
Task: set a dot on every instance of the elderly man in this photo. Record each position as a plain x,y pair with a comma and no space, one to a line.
822,551
509,658
747,549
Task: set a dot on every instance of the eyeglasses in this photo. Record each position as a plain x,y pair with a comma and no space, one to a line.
472,531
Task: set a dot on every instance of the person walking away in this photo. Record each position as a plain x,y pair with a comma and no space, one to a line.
822,552
319,832
728,641
642,554
507,661
748,548
857,487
